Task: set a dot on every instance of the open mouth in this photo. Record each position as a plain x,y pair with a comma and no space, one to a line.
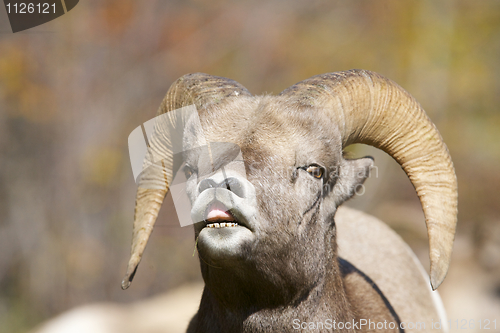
224,229
218,216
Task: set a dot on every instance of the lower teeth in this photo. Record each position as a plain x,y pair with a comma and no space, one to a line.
221,225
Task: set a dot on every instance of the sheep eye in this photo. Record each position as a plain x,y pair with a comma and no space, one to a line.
316,171
188,171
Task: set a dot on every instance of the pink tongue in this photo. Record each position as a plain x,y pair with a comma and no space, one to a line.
216,214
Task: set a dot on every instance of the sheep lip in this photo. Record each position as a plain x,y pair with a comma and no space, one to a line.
217,213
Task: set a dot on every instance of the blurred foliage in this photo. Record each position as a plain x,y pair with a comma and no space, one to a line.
73,89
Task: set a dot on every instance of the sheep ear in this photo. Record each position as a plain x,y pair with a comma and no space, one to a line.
351,176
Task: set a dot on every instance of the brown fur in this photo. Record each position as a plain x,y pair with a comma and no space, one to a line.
270,295
284,265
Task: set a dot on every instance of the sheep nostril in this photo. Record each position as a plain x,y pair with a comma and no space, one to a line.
206,184
235,186
231,184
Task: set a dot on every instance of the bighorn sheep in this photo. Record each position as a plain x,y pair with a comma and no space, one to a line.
288,264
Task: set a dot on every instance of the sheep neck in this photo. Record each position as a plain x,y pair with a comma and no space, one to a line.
252,304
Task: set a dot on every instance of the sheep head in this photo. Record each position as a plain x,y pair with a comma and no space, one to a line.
294,176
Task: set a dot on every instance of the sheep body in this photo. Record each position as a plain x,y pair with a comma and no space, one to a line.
375,249
281,264
170,313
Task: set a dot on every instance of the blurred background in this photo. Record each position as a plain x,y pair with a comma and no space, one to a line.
73,89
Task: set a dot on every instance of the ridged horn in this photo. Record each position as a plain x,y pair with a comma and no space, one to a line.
371,109
198,89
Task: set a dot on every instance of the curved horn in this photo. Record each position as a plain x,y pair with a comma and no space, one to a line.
371,109
198,89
